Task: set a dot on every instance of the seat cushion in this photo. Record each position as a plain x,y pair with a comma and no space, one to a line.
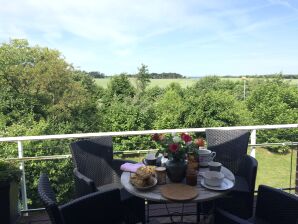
241,184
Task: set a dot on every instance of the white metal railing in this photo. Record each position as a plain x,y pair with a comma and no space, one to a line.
20,139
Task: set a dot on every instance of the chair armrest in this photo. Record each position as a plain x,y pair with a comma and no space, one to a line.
248,170
224,217
98,207
83,184
108,187
276,206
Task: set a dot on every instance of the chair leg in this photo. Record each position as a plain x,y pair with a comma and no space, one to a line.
198,212
147,215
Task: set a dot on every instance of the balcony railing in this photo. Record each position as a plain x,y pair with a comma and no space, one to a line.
253,145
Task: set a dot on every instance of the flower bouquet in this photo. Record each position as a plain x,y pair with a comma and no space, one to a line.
177,148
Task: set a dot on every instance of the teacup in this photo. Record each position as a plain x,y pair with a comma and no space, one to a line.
213,178
214,166
205,156
150,160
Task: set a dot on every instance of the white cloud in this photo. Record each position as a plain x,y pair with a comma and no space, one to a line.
127,32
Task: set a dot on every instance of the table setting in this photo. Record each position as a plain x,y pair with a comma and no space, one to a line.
181,170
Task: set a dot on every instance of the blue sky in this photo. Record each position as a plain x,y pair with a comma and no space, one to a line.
193,38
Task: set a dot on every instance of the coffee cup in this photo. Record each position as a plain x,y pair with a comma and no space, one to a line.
214,166
213,178
205,156
150,160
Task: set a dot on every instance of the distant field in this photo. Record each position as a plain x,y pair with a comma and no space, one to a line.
154,82
165,82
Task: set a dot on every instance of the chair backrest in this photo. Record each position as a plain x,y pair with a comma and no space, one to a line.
276,206
48,198
230,146
93,158
98,207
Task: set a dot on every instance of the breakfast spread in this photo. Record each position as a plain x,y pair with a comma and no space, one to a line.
143,176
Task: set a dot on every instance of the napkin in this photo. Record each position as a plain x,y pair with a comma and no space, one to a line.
131,167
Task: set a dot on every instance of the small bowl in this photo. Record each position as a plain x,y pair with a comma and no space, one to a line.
214,166
213,178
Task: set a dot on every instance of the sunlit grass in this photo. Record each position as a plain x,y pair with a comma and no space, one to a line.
165,82
274,169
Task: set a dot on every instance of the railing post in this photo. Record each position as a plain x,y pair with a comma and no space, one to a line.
296,182
253,141
23,179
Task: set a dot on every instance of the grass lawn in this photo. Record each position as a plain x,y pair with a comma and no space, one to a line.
273,169
165,82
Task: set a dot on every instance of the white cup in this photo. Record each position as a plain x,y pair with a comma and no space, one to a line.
213,178
205,156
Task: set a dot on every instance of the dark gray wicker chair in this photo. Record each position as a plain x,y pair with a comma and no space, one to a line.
96,170
99,207
231,150
273,206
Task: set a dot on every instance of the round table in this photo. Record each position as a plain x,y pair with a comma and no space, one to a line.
154,194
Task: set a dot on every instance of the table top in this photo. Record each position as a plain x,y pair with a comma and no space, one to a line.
154,193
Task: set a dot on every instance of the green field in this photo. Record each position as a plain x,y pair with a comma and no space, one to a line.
154,82
273,169
165,82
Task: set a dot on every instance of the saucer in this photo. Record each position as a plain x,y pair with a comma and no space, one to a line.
225,185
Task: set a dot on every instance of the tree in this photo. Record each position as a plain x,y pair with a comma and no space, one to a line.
274,101
142,78
120,86
97,75
41,94
169,111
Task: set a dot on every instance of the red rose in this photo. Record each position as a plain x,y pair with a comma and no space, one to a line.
199,142
182,135
173,147
186,137
155,137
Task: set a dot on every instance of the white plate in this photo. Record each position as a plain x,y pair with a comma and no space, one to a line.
154,180
225,185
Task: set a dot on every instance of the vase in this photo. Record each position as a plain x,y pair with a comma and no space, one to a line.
176,169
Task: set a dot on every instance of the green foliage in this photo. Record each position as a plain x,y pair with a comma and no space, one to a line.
169,111
120,86
166,75
215,109
9,171
97,75
274,101
142,78
40,95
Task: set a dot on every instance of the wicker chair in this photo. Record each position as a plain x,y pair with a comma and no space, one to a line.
96,170
231,150
273,206
99,207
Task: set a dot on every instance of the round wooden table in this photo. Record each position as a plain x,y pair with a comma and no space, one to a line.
154,193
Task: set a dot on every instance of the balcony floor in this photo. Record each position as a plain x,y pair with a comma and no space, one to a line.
154,210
